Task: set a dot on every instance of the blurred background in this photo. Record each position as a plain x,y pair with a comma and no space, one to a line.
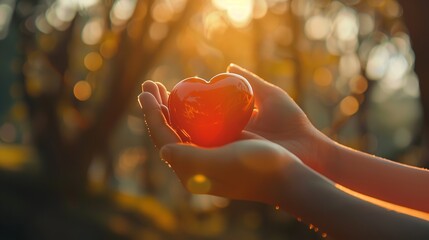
76,161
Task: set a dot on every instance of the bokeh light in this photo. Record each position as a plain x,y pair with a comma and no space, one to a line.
82,90
93,61
323,77
349,105
199,183
93,31
238,11
122,10
318,27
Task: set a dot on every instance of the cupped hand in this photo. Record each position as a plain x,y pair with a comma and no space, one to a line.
255,170
276,118
279,119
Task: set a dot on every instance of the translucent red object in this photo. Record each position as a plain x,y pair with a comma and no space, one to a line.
211,113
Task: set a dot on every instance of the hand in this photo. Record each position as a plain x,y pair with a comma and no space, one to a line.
255,170
279,119
276,118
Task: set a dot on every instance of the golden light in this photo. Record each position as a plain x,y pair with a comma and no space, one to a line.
82,90
93,61
239,12
199,184
214,25
349,105
384,204
322,76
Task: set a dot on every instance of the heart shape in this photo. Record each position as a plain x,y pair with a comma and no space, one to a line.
211,113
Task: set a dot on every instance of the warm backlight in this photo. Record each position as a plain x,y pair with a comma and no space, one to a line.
211,113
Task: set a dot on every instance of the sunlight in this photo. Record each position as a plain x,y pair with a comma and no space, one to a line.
239,12
214,24
387,205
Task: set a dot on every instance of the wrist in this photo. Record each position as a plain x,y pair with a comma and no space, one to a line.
320,151
300,188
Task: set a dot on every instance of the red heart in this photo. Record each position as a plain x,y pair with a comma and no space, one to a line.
211,113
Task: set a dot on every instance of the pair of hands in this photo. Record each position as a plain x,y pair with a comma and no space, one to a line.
275,141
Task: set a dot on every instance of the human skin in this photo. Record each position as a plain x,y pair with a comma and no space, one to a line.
283,160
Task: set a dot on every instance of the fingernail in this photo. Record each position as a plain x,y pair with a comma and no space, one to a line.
165,153
230,66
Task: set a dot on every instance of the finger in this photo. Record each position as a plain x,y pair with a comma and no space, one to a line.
261,88
268,97
161,133
151,87
166,113
163,93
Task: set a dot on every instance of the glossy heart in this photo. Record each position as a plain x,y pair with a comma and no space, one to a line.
211,113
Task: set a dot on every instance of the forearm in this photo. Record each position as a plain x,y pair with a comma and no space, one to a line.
318,201
377,177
